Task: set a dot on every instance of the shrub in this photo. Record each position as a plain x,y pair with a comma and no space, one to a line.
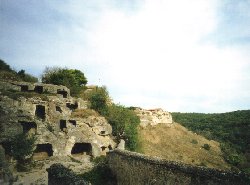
21,149
206,146
26,77
231,155
98,99
194,141
72,78
59,174
101,173
9,74
124,123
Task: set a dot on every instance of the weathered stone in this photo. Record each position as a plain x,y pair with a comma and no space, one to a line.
51,119
153,117
121,145
134,168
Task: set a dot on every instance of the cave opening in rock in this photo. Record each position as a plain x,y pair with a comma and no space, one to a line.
58,109
24,88
43,151
110,147
63,125
102,132
81,149
28,127
40,111
38,89
73,122
62,92
72,106
103,148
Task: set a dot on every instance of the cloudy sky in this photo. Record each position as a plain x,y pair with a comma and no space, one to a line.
188,56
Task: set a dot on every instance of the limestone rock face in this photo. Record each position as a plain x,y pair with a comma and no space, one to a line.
46,111
153,117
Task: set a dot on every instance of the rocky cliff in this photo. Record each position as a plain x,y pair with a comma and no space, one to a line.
49,112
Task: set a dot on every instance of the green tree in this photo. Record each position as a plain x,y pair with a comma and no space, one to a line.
98,99
72,78
124,123
26,77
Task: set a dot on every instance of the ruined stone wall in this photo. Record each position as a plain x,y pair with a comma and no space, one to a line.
153,117
132,168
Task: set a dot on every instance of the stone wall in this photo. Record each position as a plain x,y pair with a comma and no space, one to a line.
132,168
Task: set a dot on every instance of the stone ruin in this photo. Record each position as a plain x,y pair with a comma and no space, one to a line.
58,132
153,117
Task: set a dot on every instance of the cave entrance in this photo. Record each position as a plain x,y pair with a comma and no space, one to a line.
38,89
63,125
72,106
24,88
81,149
102,132
73,122
58,109
62,92
28,127
43,151
40,111
103,148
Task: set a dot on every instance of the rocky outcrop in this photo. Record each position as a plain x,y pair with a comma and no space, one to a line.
46,111
153,117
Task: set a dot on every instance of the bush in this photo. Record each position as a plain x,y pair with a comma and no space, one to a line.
101,173
22,147
72,78
26,77
98,99
7,73
194,141
59,174
231,155
124,123
206,146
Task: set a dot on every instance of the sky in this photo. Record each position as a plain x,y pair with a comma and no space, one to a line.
179,55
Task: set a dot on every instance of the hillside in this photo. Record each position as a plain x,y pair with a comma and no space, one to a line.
232,129
176,143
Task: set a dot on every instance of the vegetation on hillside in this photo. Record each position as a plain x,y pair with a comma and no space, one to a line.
124,121
21,147
7,73
231,129
72,78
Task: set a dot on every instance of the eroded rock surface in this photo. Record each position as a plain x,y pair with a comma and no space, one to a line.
46,111
153,117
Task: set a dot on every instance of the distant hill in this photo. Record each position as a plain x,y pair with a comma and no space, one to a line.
176,143
232,129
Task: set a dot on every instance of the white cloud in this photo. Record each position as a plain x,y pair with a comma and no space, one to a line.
158,50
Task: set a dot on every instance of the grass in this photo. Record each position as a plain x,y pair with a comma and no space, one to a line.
176,143
83,113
